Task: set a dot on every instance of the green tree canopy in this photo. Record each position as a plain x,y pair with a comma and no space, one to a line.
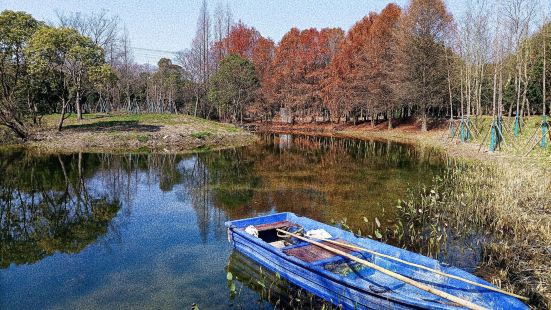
65,58
233,87
16,28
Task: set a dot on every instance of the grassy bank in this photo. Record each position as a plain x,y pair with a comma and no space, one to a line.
498,204
136,133
439,136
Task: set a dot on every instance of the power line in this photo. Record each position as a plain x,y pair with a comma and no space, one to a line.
154,50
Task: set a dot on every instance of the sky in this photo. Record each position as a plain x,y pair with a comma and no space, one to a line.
169,25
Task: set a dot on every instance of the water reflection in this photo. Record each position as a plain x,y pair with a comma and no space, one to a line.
140,229
272,291
64,202
43,211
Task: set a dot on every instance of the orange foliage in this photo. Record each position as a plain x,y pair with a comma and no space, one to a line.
247,43
299,66
370,71
361,73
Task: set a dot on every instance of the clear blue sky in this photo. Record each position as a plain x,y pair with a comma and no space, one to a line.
170,24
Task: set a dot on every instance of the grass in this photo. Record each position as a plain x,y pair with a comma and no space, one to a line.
5,135
143,138
142,119
522,145
132,132
498,204
201,134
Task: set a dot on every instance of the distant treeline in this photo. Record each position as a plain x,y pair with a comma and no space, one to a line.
401,62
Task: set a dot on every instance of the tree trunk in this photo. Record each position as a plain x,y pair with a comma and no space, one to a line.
62,117
373,120
424,127
18,129
196,105
79,108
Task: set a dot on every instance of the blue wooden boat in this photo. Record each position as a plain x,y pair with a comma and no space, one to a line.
346,283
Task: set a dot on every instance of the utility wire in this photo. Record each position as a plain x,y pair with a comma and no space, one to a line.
154,50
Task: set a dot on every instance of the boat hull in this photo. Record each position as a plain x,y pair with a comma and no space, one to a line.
339,295
364,289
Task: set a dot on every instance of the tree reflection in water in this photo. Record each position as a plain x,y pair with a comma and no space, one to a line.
62,203
321,177
46,207
153,224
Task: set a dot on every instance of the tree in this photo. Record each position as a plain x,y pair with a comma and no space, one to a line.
100,27
16,28
262,55
102,77
223,23
299,66
166,88
197,62
424,28
64,58
383,62
233,87
346,86
519,15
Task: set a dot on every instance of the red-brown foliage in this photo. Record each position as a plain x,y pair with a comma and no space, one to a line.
299,66
361,74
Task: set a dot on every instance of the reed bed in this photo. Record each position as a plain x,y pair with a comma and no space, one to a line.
502,213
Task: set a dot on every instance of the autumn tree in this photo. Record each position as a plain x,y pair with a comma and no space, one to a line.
297,67
422,51
382,62
345,88
248,43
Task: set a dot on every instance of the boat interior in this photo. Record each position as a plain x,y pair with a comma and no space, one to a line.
307,252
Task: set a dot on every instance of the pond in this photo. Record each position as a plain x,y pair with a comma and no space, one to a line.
147,230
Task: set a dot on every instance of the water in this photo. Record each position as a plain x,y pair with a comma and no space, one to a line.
147,231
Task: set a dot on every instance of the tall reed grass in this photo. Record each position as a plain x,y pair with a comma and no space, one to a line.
503,212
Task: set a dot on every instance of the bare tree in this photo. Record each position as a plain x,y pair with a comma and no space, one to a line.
126,69
475,42
520,15
219,32
101,27
197,62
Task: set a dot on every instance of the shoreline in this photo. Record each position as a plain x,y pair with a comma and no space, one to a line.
408,133
154,133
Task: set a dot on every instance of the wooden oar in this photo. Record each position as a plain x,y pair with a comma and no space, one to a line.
419,285
355,247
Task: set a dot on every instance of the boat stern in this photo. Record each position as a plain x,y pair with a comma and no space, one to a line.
257,221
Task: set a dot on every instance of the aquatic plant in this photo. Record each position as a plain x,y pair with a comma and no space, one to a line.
502,214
